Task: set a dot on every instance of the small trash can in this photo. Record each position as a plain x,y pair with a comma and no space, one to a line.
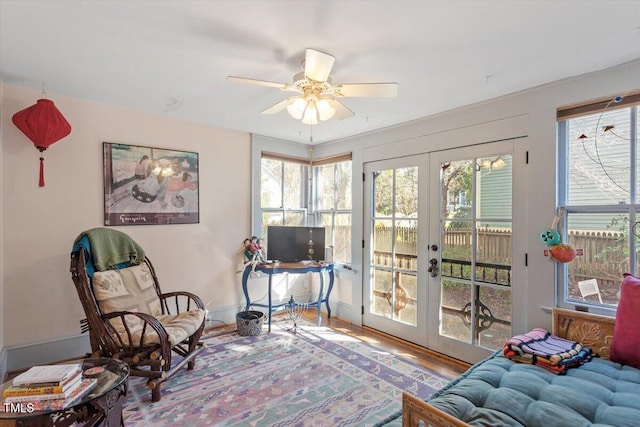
249,323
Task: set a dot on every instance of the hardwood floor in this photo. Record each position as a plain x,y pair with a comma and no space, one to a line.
429,359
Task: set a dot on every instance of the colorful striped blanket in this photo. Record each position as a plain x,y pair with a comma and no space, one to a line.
539,347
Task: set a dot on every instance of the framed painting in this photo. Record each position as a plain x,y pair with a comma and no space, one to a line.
150,186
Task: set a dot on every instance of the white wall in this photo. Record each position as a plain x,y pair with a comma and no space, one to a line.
40,224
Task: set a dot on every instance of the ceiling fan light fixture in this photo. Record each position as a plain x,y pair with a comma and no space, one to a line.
297,107
325,109
310,114
317,98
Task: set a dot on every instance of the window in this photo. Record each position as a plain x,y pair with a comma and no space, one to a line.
285,190
284,193
599,197
332,207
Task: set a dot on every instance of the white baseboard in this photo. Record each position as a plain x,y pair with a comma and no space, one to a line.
341,310
227,315
20,357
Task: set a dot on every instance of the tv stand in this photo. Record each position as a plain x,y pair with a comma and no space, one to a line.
291,268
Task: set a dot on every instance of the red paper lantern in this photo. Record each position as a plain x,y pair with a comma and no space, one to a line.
43,124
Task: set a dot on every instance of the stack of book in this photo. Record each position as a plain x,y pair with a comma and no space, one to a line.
50,387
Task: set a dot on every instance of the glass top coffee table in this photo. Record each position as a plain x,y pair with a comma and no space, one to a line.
102,406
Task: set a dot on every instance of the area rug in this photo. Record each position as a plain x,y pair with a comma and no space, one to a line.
314,377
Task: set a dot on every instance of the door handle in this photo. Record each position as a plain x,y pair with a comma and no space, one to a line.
433,267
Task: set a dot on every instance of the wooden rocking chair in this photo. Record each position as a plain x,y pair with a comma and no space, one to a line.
128,316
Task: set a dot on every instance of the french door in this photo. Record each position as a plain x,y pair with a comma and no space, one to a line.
395,289
437,257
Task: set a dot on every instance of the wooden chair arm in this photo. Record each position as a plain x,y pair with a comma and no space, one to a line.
187,299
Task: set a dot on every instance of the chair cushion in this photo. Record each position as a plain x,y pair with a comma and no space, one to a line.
133,289
626,334
127,289
179,327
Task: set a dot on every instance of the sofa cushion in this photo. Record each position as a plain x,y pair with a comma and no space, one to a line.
625,344
501,392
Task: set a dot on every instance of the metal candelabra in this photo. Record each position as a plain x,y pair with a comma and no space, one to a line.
295,310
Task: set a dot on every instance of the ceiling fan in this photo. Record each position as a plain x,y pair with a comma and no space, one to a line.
315,100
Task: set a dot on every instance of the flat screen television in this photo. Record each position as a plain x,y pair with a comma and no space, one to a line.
295,244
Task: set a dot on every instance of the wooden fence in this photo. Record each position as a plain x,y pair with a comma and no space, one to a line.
494,245
599,260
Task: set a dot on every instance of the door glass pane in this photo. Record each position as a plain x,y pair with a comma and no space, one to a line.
493,253
494,186
455,302
382,293
406,197
604,242
456,189
382,242
494,317
405,298
406,245
456,250
383,193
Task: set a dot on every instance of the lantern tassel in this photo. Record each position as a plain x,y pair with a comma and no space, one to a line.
41,172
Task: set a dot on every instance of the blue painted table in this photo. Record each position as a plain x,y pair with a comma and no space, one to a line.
291,268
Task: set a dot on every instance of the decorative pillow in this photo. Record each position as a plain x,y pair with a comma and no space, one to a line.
625,344
127,289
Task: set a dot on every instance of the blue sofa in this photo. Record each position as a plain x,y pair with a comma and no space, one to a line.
499,392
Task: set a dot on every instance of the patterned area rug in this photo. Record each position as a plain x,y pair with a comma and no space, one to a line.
316,377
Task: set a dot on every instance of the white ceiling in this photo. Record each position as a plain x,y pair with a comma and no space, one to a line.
172,57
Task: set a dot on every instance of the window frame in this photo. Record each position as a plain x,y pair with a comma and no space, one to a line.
630,208
304,190
333,211
309,191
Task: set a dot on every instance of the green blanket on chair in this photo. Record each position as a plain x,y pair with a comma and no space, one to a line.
111,247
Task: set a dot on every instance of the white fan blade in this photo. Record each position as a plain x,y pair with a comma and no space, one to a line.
257,82
276,108
381,90
342,112
317,65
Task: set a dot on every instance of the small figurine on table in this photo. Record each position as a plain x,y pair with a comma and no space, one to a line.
253,253
257,249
